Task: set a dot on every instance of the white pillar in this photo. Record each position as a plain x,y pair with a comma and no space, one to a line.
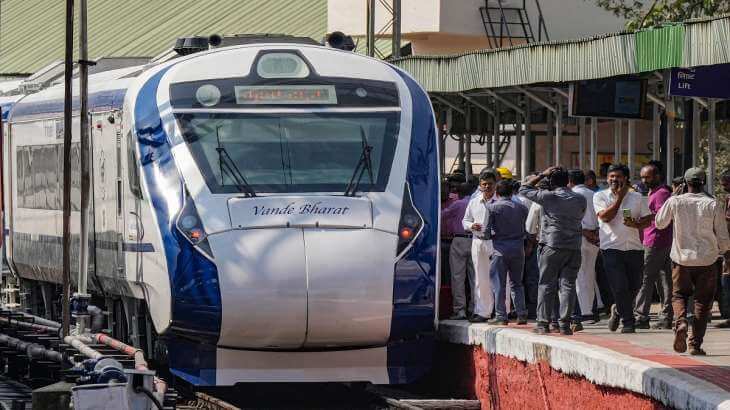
559,131
712,149
549,140
581,142
696,127
594,143
630,147
655,124
670,145
518,146
617,141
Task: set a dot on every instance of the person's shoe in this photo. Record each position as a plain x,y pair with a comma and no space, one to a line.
593,319
477,319
725,324
663,324
628,329
577,327
541,330
642,324
521,320
498,322
697,351
554,327
565,331
614,319
458,316
680,337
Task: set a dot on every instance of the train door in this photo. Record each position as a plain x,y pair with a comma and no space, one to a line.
106,137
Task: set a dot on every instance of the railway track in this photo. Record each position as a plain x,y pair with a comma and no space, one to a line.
373,397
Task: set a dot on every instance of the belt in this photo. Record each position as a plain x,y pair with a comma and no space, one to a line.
462,235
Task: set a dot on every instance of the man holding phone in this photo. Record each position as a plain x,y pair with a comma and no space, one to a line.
475,220
621,214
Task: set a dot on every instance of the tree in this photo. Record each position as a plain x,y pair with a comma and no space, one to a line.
650,13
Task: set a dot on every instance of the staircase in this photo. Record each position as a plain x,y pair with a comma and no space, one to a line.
507,23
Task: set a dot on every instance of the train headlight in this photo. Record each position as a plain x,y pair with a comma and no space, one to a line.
208,95
188,223
281,65
410,225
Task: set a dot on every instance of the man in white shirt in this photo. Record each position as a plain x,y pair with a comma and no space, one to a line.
621,213
585,284
700,236
475,220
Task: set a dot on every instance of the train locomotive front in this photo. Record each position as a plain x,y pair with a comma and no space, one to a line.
294,193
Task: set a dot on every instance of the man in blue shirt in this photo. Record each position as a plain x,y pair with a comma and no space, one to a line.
506,227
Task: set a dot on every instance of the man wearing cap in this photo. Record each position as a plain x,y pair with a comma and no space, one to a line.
699,236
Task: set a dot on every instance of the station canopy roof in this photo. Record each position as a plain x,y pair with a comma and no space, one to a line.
32,31
687,44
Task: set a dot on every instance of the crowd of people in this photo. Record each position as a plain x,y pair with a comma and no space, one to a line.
558,249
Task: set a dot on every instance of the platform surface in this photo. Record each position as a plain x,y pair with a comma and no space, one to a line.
643,362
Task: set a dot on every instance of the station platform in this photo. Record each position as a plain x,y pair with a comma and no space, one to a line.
512,367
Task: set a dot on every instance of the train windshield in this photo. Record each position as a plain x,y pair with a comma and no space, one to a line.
281,153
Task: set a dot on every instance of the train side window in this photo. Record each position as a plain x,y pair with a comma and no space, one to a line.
29,192
20,162
133,168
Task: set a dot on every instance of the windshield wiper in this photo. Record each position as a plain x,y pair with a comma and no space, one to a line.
228,167
365,164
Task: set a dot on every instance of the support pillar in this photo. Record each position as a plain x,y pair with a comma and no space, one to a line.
696,128
670,143
616,141
529,139
488,141
497,134
581,142
519,154
712,146
630,147
655,126
594,143
549,139
559,131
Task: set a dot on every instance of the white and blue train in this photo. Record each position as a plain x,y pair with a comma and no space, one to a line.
272,207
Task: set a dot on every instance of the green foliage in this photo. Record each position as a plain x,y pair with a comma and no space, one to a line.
651,13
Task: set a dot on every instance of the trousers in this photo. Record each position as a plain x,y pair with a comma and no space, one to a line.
530,280
481,252
585,283
508,260
701,280
558,270
657,273
462,269
624,270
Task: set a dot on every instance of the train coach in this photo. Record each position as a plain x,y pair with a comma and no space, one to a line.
266,212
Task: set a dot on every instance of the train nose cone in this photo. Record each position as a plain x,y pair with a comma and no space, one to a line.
349,286
304,273
263,284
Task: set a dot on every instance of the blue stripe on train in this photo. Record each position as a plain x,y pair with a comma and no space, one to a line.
98,101
411,343
196,299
